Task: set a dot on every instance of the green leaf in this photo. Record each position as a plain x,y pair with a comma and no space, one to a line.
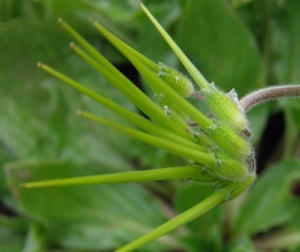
270,202
240,244
84,217
36,239
219,44
12,231
286,43
205,232
77,11
286,48
48,107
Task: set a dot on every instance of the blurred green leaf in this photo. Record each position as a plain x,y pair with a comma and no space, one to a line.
84,217
204,233
240,244
12,232
286,50
36,239
286,43
39,119
219,44
270,202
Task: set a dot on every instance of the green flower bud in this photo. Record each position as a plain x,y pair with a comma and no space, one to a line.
241,187
226,108
164,100
172,111
234,189
205,177
176,80
203,140
229,169
228,140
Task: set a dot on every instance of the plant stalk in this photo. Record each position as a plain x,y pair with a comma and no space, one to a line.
180,220
267,94
181,172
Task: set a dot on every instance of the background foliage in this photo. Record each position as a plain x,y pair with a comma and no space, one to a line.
237,44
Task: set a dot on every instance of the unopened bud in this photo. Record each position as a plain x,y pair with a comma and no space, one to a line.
176,80
172,111
228,140
226,108
205,177
229,168
234,189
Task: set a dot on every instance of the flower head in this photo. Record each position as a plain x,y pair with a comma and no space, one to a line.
216,144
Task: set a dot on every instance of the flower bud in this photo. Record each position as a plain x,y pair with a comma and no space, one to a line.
228,168
241,187
226,108
203,140
172,111
234,189
176,80
205,177
228,140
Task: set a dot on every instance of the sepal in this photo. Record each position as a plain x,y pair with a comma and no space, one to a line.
225,107
228,140
229,168
234,189
176,80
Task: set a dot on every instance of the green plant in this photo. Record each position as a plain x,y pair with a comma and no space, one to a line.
223,158
226,181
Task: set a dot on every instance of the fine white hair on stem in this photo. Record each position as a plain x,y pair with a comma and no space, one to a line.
270,93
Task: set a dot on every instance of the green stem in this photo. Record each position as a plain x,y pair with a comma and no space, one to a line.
149,108
92,51
154,81
180,172
130,116
180,220
196,75
149,63
141,100
198,156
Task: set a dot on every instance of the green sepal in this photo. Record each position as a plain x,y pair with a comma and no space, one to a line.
242,186
203,140
163,100
176,80
234,189
205,177
229,168
228,140
173,112
225,107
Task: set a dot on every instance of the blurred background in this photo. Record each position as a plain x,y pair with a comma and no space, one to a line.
240,44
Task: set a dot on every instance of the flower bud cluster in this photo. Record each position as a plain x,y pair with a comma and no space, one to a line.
183,86
226,107
225,138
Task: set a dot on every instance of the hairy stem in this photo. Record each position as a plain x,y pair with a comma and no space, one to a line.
270,93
